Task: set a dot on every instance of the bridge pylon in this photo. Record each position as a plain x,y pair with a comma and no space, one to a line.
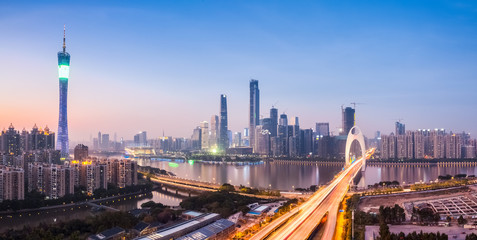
355,134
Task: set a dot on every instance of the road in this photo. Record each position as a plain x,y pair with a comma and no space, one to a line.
310,213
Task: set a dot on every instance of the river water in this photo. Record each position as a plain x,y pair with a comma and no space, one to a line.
290,175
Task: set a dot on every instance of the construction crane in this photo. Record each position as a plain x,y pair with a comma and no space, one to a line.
355,103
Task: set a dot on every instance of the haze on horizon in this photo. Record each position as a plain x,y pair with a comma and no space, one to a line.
162,65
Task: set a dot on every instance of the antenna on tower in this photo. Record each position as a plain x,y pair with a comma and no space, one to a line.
64,38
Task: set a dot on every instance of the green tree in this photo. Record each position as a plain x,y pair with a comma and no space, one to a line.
384,233
461,220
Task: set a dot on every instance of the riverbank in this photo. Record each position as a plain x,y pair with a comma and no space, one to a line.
58,213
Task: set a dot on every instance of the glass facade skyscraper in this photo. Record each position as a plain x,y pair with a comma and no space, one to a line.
348,120
274,122
223,129
400,128
63,74
254,110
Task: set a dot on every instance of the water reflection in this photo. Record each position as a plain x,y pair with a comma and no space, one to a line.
413,174
285,176
278,175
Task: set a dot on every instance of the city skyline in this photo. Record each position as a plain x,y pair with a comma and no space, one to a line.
168,100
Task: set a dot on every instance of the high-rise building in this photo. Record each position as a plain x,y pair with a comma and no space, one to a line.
223,130
273,122
322,130
53,180
400,129
348,120
388,143
254,114
140,139
306,142
246,137
214,131
438,140
401,147
204,127
282,141
262,140
105,141
38,139
237,140
63,72
81,152
99,140
196,138
10,142
12,185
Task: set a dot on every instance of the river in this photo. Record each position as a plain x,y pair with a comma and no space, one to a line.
290,175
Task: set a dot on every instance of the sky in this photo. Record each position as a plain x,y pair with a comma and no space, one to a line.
160,66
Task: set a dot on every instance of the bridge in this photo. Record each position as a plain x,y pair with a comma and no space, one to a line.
302,221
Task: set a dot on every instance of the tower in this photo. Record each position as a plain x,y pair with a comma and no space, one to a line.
63,73
254,110
223,129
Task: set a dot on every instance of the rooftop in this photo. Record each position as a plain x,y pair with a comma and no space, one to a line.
107,234
208,231
179,227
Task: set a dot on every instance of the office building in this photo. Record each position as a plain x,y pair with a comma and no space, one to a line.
140,139
348,120
105,142
223,129
322,130
214,132
237,141
204,127
400,129
254,113
282,138
262,140
273,122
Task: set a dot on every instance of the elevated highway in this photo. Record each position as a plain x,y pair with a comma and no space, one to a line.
302,221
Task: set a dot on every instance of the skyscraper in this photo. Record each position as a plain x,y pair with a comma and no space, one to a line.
214,131
282,135
204,127
322,130
348,120
274,122
63,72
400,128
254,110
223,130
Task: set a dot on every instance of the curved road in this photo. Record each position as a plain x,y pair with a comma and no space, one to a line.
309,214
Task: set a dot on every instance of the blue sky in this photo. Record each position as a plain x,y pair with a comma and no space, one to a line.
162,65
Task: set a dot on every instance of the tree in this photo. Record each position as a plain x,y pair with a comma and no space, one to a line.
384,233
461,220
471,236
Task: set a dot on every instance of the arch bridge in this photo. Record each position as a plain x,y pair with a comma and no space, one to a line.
355,134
